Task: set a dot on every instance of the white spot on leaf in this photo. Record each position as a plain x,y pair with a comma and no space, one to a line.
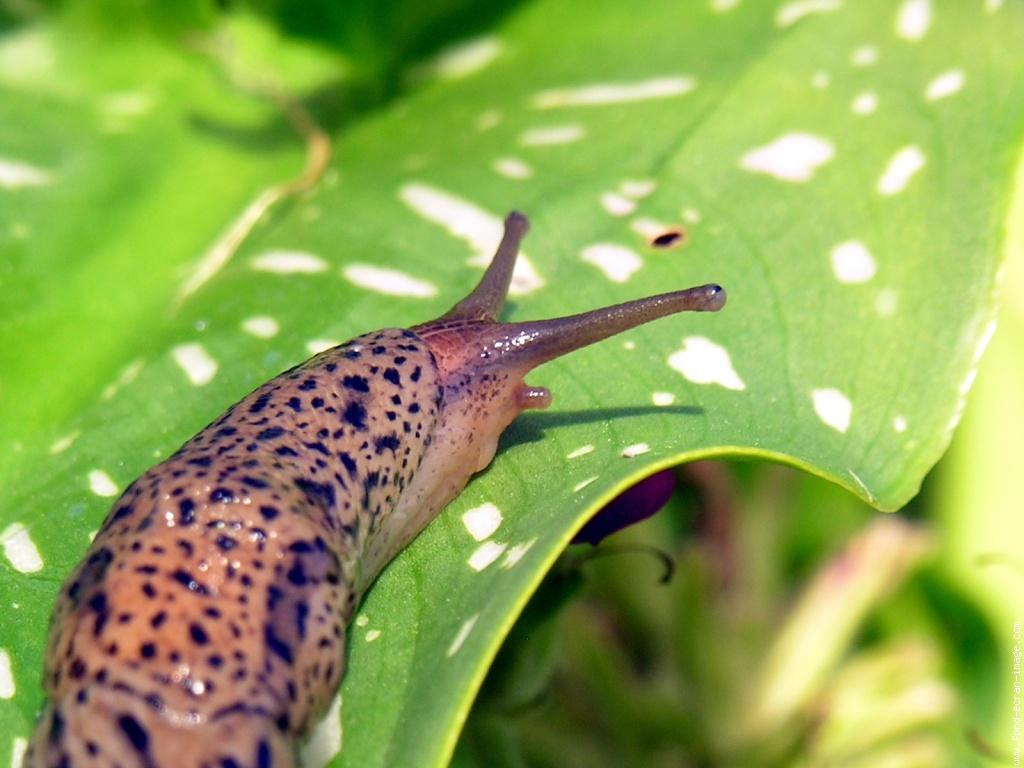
702,361
791,157
461,635
945,84
691,215
913,19
27,54
864,56
390,282
554,134
128,103
865,103
372,635
900,169
480,229
316,346
820,80
650,228
899,423
617,262
101,483
127,375
663,398
616,204
324,744
20,550
120,110
61,444
512,168
583,484
852,262
515,553
886,302
196,362
637,188
260,326
485,554
16,175
833,408
7,688
488,120
18,748
482,521
288,262
615,93
723,6
637,449
791,13
470,223
583,450
362,620
459,60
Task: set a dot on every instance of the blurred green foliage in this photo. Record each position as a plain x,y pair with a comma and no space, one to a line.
864,654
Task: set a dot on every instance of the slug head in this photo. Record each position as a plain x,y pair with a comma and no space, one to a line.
481,364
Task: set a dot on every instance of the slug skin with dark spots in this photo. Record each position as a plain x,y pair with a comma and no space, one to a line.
205,626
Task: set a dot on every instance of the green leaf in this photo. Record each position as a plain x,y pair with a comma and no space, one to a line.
860,300
976,499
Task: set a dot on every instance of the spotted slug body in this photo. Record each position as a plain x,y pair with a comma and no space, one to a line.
205,626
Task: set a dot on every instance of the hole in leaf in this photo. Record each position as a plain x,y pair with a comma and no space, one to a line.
670,238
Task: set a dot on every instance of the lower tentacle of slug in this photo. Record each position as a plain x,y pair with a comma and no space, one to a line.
205,626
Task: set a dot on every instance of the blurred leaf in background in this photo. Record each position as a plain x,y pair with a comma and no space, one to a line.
844,169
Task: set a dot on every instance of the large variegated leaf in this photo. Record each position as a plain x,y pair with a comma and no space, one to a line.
842,169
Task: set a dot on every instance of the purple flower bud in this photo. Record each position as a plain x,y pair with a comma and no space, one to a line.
631,506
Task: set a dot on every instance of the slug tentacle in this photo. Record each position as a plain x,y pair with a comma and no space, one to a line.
206,624
532,343
487,299
469,334
468,339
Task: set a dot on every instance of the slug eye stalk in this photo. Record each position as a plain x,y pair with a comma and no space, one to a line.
487,299
525,345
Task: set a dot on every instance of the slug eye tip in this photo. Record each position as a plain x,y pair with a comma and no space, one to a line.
517,222
716,296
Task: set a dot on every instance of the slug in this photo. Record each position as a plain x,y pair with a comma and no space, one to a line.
205,626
